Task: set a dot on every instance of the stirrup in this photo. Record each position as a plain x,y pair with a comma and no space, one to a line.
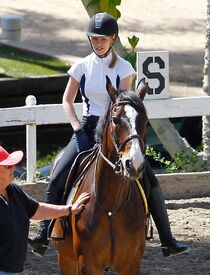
63,223
149,229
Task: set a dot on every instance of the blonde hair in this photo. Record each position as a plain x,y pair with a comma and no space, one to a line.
114,58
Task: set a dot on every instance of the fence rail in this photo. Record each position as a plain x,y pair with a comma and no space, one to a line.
32,115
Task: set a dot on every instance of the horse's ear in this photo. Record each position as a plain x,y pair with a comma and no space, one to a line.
142,88
111,90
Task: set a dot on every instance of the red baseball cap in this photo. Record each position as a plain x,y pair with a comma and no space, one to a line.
10,159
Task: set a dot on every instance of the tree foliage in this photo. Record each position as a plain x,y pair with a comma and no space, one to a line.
109,6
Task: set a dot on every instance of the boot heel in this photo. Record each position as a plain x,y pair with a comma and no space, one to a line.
165,252
174,248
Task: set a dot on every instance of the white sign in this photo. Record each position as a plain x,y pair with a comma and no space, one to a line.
154,67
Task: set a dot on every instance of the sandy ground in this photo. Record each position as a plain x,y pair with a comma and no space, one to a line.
177,26
190,223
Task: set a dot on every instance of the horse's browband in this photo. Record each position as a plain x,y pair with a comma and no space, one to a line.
125,102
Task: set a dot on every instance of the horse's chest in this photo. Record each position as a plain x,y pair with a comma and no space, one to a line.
100,223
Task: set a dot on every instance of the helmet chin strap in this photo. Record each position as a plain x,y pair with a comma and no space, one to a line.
106,53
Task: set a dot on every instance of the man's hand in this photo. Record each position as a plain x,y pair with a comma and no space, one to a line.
79,204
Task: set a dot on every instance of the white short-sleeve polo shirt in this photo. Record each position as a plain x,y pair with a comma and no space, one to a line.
91,73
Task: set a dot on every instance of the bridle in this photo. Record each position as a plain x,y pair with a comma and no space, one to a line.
118,165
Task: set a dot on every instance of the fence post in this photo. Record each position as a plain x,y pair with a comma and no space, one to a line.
31,145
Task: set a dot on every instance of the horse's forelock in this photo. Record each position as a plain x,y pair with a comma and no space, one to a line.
134,100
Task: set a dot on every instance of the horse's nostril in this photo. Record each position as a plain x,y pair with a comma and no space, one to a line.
128,165
130,168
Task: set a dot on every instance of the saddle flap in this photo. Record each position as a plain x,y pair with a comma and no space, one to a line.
57,229
78,170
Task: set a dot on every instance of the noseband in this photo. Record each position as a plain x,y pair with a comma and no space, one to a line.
118,166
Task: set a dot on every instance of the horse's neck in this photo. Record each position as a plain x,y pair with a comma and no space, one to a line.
111,189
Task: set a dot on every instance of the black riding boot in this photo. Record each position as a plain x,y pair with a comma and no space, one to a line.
160,216
40,242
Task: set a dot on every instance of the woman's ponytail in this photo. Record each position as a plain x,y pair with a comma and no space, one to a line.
114,58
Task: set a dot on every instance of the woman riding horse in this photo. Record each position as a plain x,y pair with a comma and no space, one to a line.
88,75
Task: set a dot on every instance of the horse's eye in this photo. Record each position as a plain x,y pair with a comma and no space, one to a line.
115,109
116,120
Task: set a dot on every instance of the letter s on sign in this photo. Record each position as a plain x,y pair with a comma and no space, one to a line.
156,75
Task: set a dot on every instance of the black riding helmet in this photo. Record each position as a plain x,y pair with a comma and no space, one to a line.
102,24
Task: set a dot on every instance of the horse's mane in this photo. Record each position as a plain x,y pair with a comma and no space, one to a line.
129,96
101,125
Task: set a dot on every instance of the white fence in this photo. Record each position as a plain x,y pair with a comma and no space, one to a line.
32,115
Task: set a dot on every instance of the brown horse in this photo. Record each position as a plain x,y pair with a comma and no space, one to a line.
109,234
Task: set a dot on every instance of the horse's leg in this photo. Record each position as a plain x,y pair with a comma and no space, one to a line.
134,269
90,269
128,262
83,270
66,258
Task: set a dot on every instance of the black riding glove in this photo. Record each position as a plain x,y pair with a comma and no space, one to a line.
82,140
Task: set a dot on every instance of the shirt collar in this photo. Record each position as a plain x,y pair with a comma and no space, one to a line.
105,60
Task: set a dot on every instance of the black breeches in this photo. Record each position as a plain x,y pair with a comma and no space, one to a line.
153,181
58,179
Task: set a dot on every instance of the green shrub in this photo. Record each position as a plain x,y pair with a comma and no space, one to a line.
46,159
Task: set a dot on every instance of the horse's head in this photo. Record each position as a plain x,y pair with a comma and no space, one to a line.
127,124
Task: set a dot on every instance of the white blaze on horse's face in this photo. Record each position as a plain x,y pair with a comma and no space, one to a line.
136,156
